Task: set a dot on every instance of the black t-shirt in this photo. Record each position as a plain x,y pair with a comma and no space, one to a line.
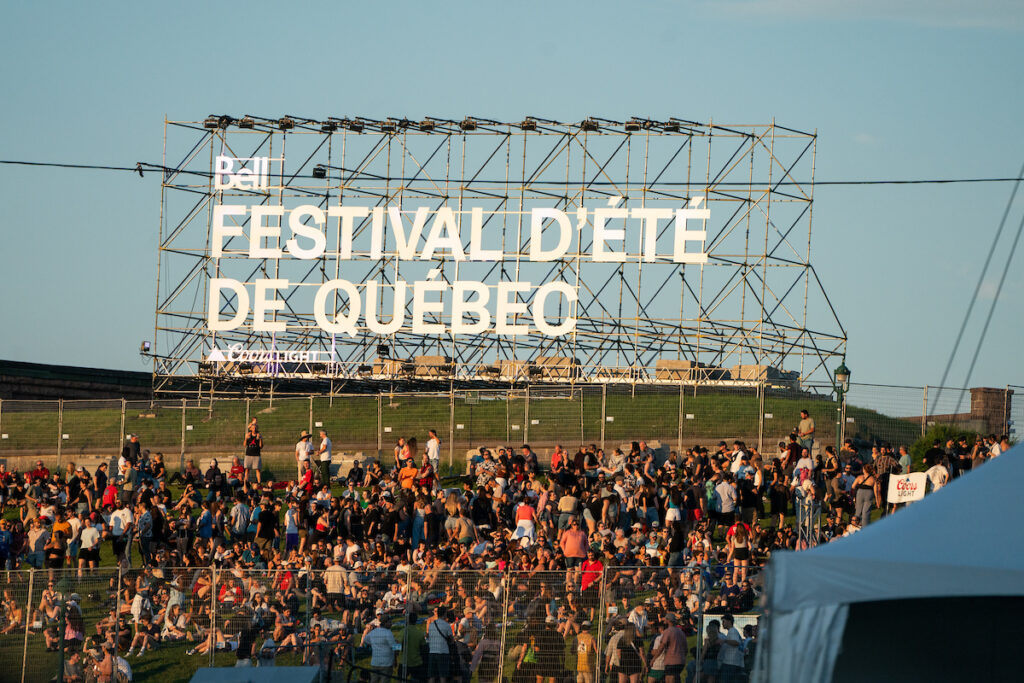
390,523
268,523
253,445
246,639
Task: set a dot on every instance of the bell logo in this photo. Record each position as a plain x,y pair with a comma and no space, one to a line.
252,173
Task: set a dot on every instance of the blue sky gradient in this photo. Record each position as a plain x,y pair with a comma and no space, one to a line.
894,89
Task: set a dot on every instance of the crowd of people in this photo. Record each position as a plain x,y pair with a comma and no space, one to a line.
624,544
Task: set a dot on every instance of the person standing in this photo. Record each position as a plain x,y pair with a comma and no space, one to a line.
805,430
303,452
434,450
730,654
672,649
586,654
253,451
325,457
864,494
382,643
439,635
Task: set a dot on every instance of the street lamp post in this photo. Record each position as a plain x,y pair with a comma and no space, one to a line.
842,385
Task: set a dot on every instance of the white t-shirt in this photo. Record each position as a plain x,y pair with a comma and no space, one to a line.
90,538
119,521
76,526
434,449
730,655
325,449
302,449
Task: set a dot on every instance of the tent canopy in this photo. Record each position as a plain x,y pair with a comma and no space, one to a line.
961,541
270,674
964,539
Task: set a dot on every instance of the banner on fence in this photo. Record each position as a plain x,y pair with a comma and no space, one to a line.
906,488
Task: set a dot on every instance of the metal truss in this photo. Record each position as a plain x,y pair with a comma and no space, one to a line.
756,302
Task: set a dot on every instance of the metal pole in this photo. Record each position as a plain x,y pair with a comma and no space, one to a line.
183,433
117,608
451,428
924,410
679,426
604,411
1006,401
842,422
760,416
526,416
380,425
311,413
504,624
60,429
309,599
120,438
700,627
247,412
839,417
28,622
602,607
213,616
61,625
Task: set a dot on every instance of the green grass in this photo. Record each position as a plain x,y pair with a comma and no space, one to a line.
352,421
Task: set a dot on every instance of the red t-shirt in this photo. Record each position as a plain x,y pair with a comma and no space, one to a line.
591,572
237,471
109,495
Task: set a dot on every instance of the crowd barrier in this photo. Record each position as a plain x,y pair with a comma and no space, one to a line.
507,624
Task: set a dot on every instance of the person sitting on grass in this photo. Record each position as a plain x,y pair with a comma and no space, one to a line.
146,636
14,616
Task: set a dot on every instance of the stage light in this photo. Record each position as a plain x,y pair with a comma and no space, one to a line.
633,125
211,122
355,126
223,121
670,127
145,347
383,351
467,124
426,125
528,124
589,125
285,123
388,126
320,171
328,127
404,123
246,122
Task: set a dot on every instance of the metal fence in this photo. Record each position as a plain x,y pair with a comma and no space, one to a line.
667,417
169,622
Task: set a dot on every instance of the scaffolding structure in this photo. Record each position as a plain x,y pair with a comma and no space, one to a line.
754,312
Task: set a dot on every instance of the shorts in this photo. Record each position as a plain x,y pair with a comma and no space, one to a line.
291,542
253,462
90,555
674,669
656,674
741,553
437,665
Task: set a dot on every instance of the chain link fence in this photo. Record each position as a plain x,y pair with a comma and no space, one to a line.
166,623
368,426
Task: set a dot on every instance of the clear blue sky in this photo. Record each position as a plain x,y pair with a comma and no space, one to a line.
910,89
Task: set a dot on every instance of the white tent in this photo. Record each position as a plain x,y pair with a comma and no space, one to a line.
965,541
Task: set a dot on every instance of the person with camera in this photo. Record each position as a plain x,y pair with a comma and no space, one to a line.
440,636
